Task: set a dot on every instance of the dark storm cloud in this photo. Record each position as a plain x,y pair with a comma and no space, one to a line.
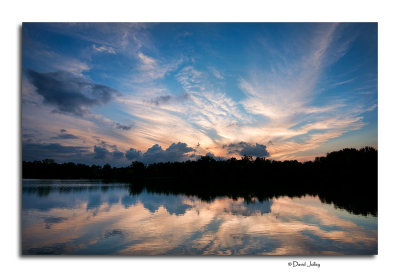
28,137
168,98
211,155
37,151
174,153
117,154
65,135
100,152
123,127
77,154
161,99
70,93
104,144
53,249
133,154
155,154
247,149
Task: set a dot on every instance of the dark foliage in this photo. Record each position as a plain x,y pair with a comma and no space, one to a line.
347,178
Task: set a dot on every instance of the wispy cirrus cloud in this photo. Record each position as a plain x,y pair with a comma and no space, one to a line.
190,78
103,48
206,117
264,92
121,36
217,74
277,106
53,61
286,97
150,69
49,59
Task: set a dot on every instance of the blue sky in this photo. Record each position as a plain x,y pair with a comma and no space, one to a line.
115,93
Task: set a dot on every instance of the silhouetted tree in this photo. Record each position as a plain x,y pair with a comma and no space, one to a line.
348,178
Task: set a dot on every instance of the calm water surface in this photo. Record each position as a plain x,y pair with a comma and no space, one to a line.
90,217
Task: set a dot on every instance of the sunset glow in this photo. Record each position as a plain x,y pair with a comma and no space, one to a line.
115,93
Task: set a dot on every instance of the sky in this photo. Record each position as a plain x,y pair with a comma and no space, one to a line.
114,93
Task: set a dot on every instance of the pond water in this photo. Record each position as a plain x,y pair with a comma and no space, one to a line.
94,218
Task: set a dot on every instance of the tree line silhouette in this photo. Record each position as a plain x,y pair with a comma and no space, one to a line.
347,178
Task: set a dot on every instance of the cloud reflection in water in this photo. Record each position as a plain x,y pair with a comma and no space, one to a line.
113,222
